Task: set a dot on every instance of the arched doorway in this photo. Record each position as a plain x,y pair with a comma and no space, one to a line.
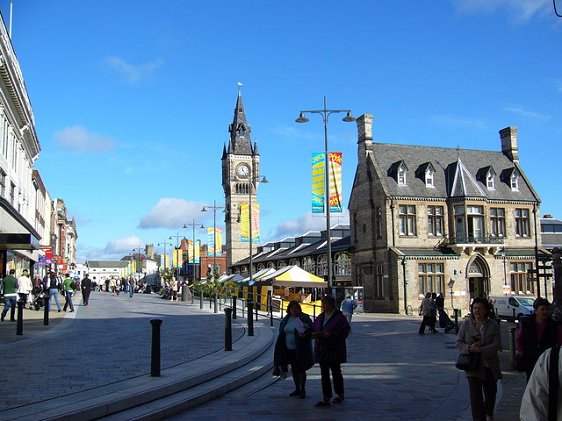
478,275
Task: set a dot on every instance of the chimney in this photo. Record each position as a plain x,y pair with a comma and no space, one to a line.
364,134
508,138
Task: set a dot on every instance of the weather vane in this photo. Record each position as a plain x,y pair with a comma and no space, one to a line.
240,84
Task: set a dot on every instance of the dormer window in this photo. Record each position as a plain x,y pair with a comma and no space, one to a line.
429,178
514,181
490,181
401,176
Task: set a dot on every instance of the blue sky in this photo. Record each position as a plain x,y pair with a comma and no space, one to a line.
132,99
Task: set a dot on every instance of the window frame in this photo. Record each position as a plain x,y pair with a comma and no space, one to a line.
407,220
435,220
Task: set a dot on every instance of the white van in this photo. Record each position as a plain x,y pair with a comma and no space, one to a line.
513,307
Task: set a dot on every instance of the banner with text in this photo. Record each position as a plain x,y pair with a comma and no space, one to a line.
245,223
318,181
190,251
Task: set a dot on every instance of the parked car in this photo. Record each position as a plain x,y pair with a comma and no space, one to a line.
512,307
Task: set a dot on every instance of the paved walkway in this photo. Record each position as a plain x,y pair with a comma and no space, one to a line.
107,341
392,374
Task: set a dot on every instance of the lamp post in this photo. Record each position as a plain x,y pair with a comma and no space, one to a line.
140,260
325,113
214,208
165,243
193,225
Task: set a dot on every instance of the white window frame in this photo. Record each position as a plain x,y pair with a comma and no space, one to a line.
429,178
401,177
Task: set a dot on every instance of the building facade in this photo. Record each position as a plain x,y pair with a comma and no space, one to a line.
458,222
240,179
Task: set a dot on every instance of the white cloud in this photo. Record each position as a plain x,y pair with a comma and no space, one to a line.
519,10
171,213
115,249
306,223
79,139
133,73
448,120
527,113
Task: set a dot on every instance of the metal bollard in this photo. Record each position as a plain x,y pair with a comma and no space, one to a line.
228,329
456,310
250,318
257,306
155,354
270,312
210,301
184,293
201,300
215,303
234,306
511,337
192,296
19,327
514,319
47,303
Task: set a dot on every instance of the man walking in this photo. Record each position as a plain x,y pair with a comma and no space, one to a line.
10,287
347,306
68,284
86,286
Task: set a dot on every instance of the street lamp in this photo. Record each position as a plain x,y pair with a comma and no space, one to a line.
140,259
325,113
214,208
193,225
165,243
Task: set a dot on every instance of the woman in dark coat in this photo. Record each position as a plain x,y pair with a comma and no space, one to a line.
536,334
330,331
294,347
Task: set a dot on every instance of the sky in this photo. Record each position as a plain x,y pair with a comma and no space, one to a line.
132,99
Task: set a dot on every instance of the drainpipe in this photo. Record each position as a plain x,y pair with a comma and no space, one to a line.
405,284
392,222
537,252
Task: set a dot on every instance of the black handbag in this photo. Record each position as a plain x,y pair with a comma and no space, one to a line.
468,362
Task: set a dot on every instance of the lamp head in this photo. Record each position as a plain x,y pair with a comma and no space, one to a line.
302,118
184,226
202,226
204,209
264,180
348,118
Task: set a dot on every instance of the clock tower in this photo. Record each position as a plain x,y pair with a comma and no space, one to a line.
240,173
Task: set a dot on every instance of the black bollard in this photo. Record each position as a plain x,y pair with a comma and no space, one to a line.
456,319
234,306
184,293
210,301
250,318
155,354
270,311
228,329
215,304
19,327
201,300
257,306
47,303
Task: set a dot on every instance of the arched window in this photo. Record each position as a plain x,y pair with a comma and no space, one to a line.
309,265
343,264
322,266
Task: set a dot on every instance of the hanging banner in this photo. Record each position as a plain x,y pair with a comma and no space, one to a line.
336,159
190,251
177,258
211,241
245,223
318,184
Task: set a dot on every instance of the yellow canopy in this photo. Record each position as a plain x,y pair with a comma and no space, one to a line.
292,276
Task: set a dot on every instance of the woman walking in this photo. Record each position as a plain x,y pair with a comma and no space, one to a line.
480,336
330,331
536,334
294,347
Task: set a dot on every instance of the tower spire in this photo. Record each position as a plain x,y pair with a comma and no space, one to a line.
240,130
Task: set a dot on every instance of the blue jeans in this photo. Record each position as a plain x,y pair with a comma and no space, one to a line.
53,292
131,291
9,302
68,302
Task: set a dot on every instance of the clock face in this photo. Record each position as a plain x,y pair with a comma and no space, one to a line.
243,171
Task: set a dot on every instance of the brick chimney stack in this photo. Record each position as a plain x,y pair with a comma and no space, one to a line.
508,138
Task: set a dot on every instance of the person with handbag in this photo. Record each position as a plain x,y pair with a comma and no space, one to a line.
294,347
535,335
479,342
330,332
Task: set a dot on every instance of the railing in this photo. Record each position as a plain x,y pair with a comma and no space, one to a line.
475,239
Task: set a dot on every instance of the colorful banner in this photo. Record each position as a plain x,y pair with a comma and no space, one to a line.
177,258
190,251
318,181
336,159
245,223
318,185
211,241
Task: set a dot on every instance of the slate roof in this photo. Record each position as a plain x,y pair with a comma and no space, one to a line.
458,172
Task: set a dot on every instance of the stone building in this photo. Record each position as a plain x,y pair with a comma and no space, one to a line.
454,221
